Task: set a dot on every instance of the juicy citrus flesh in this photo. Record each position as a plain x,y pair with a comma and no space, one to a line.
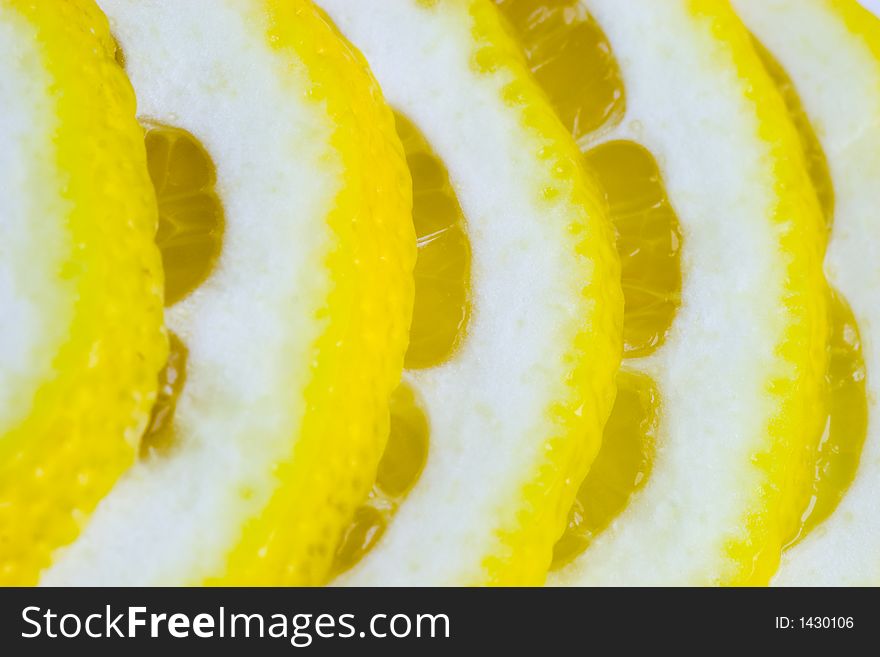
159,435
621,468
572,60
402,463
559,38
191,222
837,452
82,430
440,313
442,271
508,539
834,455
648,240
190,239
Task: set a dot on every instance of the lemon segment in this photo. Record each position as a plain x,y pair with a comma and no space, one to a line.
561,37
442,272
621,468
295,337
190,233
833,459
515,412
81,337
649,242
574,64
830,462
830,50
440,316
817,163
400,468
739,375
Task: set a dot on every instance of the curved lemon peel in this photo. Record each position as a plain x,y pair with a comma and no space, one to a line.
296,339
516,413
84,274
734,366
831,51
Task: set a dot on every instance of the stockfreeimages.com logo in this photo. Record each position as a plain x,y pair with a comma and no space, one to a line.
300,629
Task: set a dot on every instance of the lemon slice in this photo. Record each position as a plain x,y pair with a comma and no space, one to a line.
831,54
695,479
514,407
81,338
292,334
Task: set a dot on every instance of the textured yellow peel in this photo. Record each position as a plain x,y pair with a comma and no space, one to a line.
594,356
621,468
442,272
83,427
399,470
817,163
550,33
517,513
826,56
190,234
831,460
357,361
572,60
274,407
796,397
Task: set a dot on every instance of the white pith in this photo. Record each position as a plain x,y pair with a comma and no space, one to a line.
208,67
36,303
488,405
838,81
687,105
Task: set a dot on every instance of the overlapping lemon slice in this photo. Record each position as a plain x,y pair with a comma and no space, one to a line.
826,54
720,237
287,238
516,334
81,338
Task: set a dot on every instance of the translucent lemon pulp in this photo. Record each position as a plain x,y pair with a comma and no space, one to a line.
845,422
191,223
648,241
621,468
561,37
573,61
159,435
440,316
190,237
399,470
442,272
842,434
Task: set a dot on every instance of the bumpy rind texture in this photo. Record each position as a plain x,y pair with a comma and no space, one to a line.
831,52
84,424
797,391
517,413
672,531
359,358
578,416
296,338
